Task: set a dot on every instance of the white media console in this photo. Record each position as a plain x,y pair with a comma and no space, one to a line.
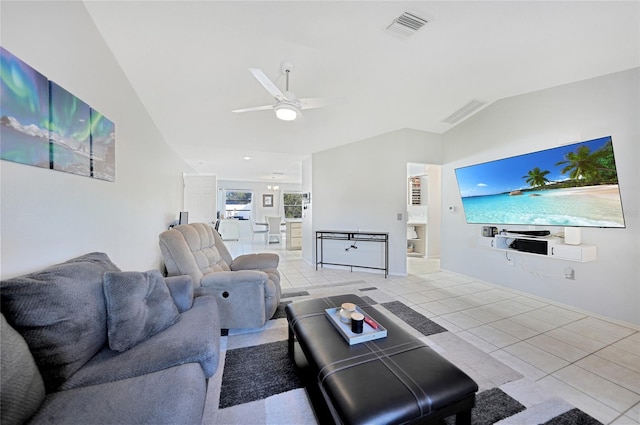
548,246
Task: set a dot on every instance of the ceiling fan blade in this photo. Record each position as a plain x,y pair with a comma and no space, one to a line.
320,102
268,84
255,108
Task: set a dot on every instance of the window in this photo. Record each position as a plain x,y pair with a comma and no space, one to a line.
292,205
238,204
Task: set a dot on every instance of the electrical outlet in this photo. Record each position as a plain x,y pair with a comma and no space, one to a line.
569,273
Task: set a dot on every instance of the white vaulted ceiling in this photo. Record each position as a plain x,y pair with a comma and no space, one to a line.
188,61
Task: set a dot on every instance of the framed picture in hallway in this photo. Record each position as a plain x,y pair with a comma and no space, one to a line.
267,200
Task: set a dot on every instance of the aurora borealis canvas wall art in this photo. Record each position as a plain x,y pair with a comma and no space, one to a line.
69,132
43,124
24,112
103,147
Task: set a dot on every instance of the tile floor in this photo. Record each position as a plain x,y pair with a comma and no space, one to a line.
590,362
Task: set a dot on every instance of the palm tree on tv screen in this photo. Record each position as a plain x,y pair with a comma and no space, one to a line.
536,177
586,167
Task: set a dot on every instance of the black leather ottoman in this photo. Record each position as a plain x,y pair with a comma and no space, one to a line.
392,380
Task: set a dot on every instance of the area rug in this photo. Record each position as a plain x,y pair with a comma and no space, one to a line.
254,373
413,318
260,384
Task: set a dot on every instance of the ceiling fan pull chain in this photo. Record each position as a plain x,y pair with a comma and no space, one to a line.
287,75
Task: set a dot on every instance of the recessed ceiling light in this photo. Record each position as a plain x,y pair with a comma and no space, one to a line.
246,158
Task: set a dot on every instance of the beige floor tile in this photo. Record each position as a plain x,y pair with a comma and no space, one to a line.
436,294
481,314
477,342
473,300
462,320
530,302
438,308
545,317
451,327
631,416
456,303
558,348
601,389
416,298
495,295
600,330
500,310
514,329
635,336
494,336
621,357
537,357
627,420
560,312
615,373
576,339
533,322
582,401
630,343
526,369
513,307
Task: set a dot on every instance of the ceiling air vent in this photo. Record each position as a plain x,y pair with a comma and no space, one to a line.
406,25
465,111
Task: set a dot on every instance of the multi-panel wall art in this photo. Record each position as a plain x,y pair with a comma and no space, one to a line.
44,125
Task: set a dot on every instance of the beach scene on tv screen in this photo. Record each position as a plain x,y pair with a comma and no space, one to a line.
572,185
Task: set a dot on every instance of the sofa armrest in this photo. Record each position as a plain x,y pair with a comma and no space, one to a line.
259,261
181,290
240,297
222,280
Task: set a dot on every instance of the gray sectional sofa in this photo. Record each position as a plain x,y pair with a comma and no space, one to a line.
85,343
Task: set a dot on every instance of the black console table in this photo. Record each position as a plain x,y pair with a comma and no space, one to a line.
354,236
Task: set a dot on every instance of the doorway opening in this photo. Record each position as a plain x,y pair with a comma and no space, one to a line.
423,217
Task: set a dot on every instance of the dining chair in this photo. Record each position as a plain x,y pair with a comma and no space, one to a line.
260,229
274,229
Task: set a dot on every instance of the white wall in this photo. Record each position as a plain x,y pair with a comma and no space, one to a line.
49,216
583,110
363,186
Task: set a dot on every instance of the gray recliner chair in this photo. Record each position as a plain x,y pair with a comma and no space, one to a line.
246,288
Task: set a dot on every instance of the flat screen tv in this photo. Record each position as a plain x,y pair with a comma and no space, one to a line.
574,185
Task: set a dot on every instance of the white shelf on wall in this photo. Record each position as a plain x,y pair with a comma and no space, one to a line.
416,246
551,247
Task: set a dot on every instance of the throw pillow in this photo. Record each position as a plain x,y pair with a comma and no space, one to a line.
61,314
139,306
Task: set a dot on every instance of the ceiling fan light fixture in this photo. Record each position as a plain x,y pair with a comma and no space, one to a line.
286,112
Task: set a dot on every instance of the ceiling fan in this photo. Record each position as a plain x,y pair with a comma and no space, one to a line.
287,107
